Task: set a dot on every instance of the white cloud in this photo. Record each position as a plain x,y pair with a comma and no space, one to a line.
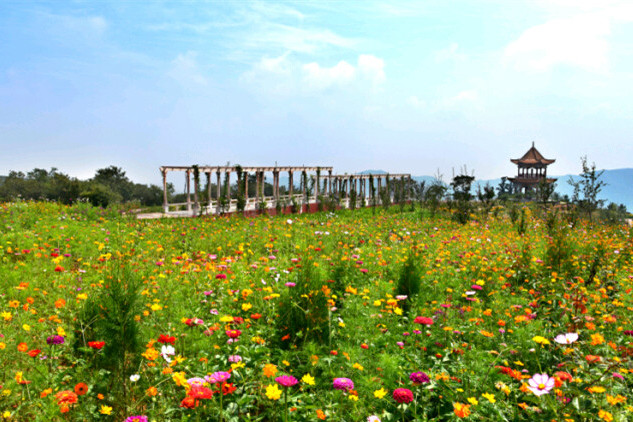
372,68
185,70
324,77
579,41
284,75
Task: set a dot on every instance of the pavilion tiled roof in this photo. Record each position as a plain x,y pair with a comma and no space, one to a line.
533,156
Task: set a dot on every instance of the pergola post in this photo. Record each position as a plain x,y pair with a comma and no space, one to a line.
290,184
196,203
208,173
218,191
245,176
188,176
165,204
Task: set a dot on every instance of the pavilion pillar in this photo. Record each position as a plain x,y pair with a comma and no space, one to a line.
329,190
188,184
165,204
379,187
316,187
257,196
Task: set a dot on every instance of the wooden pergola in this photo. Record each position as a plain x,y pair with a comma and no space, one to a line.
323,184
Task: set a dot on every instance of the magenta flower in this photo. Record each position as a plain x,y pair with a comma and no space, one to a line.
541,384
419,378
286,380
403,395
55,340
344,384
140,418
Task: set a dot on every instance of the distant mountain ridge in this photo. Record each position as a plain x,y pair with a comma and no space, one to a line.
619,188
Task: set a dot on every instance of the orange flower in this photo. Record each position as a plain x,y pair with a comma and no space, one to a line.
461,410
151,392
22,347
66,397
60,303
46,392
81,389
270,370
320,414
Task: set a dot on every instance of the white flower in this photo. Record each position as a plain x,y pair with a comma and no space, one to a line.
288,221
135,377
567,338
167,351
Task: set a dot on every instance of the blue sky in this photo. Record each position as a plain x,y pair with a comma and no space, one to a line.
411,87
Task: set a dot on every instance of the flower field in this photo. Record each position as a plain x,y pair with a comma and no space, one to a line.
370,315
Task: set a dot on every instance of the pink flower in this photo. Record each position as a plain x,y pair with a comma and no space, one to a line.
541,384
344,384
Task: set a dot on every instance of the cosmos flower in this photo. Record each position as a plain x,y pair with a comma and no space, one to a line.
167,351
541,384
567,338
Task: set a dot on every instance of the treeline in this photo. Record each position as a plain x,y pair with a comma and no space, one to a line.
109,186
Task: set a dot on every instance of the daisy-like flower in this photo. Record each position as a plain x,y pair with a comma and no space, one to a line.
541,384
567,338
344,384
167,351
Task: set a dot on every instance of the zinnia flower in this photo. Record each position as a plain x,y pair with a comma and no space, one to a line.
419,378
55,340
541,384
139,418
402,395
217,377
81,388
423,320
286,380
344,384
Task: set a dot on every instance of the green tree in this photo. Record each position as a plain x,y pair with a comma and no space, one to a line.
587,188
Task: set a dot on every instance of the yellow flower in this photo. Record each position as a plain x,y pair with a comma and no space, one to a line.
156,307
26,327
105,410
541,340
596,339
308,379
473,401
596,389
380,393
7,316
353,397
358,366
237,365
2,346
226,319
490,397
246,306
6,414
273,392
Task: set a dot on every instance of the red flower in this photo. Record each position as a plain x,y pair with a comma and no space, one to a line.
189,402
227,388
256,316
59,269
97,345
233,333
164,338
423,320
364,346
81,389
34,352
333,352
199,392
403,395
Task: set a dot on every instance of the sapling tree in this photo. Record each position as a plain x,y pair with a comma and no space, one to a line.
587,188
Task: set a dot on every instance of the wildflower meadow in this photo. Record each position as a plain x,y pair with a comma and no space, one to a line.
369,315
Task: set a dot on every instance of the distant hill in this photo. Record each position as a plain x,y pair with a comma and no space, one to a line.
619,188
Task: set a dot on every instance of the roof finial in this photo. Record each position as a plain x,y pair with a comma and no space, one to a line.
532,144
